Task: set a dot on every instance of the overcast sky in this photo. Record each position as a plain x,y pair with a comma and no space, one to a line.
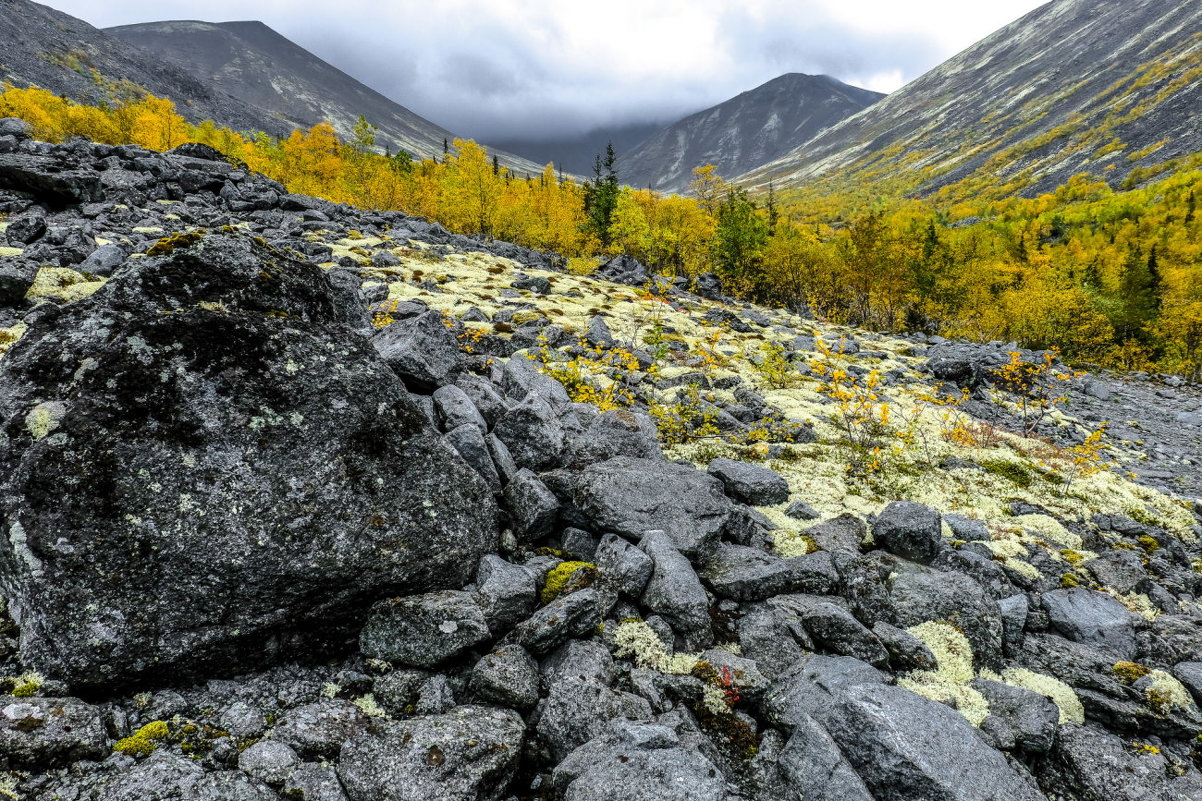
498,69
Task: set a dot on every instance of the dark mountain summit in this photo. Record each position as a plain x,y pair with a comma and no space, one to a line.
1075,86
46,48
757,126
259,66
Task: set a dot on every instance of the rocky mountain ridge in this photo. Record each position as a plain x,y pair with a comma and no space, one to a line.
756,127
256,64
1075,86
304,501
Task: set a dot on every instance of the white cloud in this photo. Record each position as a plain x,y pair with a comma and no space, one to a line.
502,68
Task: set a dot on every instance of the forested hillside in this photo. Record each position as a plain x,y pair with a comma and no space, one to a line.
1110,277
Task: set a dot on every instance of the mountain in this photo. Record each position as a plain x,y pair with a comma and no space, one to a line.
47,48
575,154
256,64
1075,86
744,132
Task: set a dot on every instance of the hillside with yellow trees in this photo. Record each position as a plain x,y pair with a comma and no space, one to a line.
1111,277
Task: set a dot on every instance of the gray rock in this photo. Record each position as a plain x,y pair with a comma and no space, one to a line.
538,285
435,696
16,277
1120,571
598,333
313,782
572,615
484,396
766,638
965,528
910,530
45,733
813,768
26,228
520,377
506,467
269,761
842,533
1092,618
321,485
800,510
242,720
468,754
396,691
1190,674
638,762
675,592
618,432
623,568
833,628
473,448
906,652
1014,612
533,433
1093,764
580,544
506,677
16,128
506,592
952,598
421,350
423,630
750,483
630,497
579,708
907,748
317,731
1018,719
813,684
533,509
455,409
103,260
749,574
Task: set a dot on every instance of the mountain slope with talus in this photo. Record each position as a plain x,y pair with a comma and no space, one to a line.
743,132
1076,86
47,48
265,69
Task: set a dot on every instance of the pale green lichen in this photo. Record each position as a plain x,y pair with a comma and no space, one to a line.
1165,694
43,419
637,641
949,682
1059,693
62,284
368,706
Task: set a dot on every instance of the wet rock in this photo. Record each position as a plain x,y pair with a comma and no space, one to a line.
910,530
468,754
750,483
1092,618
630,497
204,380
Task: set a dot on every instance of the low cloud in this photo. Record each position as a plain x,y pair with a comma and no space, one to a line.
535,69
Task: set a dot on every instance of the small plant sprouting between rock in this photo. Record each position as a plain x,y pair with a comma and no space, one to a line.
688,419
858,413
773,368
595,375
1035,386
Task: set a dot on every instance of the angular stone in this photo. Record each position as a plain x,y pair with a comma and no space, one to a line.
455,409
533,433
624,568
952,598
468,754
421,350
910,530
749,574
630,497
506,592
423,630
1092,618
269,761
317,731
225,378
473,448
618,432
675,592
533,509
507,677
46,733
572,615
750,483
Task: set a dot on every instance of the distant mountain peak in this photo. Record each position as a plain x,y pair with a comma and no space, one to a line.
748,130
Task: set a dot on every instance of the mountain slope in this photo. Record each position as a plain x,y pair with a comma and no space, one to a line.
44,47
251,61
756,127
1074,86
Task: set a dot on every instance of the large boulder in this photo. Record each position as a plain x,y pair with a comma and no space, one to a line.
1092,618
750,483
203,467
